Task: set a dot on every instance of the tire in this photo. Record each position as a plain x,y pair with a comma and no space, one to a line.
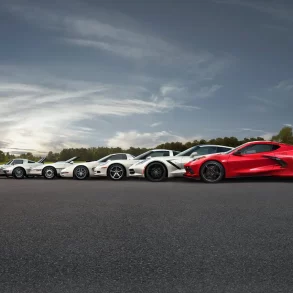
49,173
212,172
116,172
18,173
156,172
80,173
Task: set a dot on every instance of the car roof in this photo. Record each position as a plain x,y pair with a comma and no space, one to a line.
161,150
261,141
20,159
214,145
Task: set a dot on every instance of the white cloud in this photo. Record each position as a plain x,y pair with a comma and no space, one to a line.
253,130
170,89
156,124
146,139
288,125
42,118
267,136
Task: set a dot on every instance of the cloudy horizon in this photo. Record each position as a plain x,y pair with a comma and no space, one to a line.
131,73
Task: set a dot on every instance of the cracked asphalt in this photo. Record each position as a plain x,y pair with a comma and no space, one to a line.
138,236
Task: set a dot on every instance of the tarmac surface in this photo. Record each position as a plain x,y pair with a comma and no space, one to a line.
138,236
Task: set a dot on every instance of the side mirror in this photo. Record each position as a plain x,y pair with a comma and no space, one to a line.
71,162
237,153
109,160
193,154
149,157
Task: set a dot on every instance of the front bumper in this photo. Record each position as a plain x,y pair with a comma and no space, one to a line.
7,172
189,173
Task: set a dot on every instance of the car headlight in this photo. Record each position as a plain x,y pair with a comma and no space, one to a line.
141,162
102,164
196,159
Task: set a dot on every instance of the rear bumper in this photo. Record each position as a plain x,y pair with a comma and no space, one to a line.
8,172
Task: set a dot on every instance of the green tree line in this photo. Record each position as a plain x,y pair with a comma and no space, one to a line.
94,153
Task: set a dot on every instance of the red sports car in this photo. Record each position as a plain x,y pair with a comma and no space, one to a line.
257,158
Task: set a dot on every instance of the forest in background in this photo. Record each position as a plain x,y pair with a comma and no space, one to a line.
94,153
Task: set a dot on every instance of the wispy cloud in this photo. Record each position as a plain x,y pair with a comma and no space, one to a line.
277,28
275,9
42,118
253,130
156,124
284,85
146,139
288,125
265,101
105,32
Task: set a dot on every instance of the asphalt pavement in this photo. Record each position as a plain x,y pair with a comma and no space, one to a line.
137,236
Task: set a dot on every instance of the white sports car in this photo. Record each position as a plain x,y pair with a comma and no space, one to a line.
118,169
51,171
11,163
84,170
158,169
21,168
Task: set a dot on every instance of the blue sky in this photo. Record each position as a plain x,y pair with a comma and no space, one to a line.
139,73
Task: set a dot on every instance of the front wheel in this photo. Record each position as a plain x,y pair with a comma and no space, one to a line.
18,173
116,172
49,173
155,172
80,172
212,172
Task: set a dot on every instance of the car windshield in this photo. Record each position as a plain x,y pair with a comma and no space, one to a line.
188,152
105,159
235,149
9,162
142,156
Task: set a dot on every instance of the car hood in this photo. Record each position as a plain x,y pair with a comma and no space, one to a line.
8,167
4,166
86,164
55,165
122,162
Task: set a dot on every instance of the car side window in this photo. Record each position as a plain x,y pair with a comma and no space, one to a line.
17,162
118,157
206,150
31,162
223,150
258,148
159,154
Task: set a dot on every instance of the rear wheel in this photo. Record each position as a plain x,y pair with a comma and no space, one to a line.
155,172
116,172
18,173
80,172
212,172
49,172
